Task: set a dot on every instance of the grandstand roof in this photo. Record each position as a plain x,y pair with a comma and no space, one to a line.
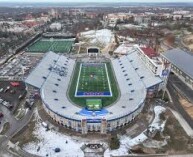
41,72
145,75
181,59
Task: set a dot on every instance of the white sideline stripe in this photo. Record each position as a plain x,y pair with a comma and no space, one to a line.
108,79
80,69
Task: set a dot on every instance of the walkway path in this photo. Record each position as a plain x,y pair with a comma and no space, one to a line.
183,123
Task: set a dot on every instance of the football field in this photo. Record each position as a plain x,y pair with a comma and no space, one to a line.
55,45
93,81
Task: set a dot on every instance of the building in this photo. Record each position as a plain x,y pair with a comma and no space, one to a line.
113,18
117,16
142,19
182,65
152,61
52,77
149,57
177,17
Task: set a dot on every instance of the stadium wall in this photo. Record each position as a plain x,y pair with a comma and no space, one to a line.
85,125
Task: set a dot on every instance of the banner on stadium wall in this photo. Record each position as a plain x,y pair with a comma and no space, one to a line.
93,120
165,72
83,123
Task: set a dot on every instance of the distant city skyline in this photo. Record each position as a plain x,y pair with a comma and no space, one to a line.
93,1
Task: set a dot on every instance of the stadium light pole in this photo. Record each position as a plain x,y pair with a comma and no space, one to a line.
23,75
164,89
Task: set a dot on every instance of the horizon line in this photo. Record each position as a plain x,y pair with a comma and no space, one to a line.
92,2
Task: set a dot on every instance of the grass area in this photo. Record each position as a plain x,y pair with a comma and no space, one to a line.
6,127
21,114
56,45
26,134
83,49
114,142
20,109
93,104
166,97
179,141
105,100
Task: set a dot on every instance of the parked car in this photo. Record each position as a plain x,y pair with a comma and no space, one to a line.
1,100
6,89
44,124
7,104
1,114
1,89
12,91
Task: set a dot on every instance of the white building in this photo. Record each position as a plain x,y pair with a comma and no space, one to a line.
177,16
140,19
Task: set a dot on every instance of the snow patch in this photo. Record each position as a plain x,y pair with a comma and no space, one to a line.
49,140
126,142
103,36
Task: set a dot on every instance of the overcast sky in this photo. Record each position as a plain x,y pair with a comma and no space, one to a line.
96,1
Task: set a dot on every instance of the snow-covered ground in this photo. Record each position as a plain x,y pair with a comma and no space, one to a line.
127,142
103,36
49,140
124,48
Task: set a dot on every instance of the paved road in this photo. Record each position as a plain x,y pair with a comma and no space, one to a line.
183,89
177,106
15,126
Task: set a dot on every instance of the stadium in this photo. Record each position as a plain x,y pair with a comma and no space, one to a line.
97,94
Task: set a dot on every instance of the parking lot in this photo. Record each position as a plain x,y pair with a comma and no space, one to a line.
19,66
11,92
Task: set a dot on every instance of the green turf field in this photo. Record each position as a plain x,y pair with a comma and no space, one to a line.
55,45
93,80
93,104
81,101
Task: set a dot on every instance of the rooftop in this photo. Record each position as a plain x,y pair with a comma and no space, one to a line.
181,59
132,76
149,52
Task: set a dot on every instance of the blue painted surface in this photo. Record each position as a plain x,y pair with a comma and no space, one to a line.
85,112
93,93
